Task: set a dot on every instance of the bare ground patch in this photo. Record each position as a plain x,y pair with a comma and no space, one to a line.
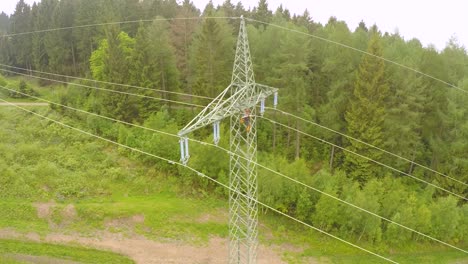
219,216
145,251
69,212
124,225
44,210
119,237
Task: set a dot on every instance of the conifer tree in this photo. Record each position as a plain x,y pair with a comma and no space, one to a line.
262,13
182,32
87,38
4,22
110,63
154,64
20,21
211,56
365,117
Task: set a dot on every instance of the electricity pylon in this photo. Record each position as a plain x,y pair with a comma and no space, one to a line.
237,102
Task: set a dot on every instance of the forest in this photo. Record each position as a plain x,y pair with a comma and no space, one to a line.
414,107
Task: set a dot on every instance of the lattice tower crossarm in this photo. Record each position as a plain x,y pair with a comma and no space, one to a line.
238,103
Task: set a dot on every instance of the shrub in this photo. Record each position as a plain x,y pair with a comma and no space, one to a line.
22,89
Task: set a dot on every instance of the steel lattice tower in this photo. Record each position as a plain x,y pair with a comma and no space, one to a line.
238,102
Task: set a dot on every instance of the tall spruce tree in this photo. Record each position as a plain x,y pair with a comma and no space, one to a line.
4,22
87,38
366,115
182,32
262,13
154,64
20,21
211,56
333,90
111,63
5,47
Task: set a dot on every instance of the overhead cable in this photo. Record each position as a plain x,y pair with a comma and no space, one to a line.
258,164
204,176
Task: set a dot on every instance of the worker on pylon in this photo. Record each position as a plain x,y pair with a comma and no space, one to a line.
245,119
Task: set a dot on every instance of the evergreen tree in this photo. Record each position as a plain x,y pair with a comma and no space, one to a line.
306,21
209,9
228,8
130,10
4,23
6,51
456,165
110,63
60,45
366,115
87,38
20,22
240,10
154,64
182,36
332,91
435,118
262,13
292,54
211,56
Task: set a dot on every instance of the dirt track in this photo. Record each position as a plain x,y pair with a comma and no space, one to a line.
145,251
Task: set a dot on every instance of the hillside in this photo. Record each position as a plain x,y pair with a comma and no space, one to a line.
59,186
363,159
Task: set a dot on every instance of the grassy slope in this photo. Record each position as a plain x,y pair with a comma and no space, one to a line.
83,255
43,162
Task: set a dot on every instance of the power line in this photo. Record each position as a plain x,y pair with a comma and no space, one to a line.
258,164
250,19
362,51
367,144
272,121
281,27
211,98
109,83
367,158
104,89
201,175
113,23
169,100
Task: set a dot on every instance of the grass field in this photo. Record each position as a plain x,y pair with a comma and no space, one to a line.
91,186
11,248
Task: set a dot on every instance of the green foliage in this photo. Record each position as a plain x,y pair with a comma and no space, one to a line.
4,23
111,62
105,186
213,40
366,114
20,21
154,65
22,89
387,106
3,82
445,219
81,254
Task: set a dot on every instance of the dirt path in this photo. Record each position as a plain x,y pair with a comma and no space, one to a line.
145,251
23,104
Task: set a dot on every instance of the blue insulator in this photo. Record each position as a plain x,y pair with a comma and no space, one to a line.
216,133
182,152
187,155
275,99
262,106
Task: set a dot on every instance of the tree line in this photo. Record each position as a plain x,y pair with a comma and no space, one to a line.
358,94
